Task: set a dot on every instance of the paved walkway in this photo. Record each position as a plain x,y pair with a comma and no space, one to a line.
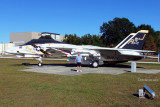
68,69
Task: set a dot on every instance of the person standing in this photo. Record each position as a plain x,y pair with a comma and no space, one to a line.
78,61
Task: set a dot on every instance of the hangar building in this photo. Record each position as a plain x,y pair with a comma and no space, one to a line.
24,37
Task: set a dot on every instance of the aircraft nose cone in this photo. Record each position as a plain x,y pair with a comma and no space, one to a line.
11,50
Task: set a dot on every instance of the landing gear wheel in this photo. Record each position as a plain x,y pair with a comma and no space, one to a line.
40,64
95,64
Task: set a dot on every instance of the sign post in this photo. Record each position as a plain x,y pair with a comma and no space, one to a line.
133,67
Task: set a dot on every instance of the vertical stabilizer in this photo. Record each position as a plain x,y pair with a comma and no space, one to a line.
134,42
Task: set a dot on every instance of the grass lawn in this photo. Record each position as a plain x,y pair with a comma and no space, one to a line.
149,60
27,89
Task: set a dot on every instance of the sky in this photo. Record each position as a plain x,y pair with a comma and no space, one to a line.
72,16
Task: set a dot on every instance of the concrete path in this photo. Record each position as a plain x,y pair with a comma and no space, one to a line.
68,69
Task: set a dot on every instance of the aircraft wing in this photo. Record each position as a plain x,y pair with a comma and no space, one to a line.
97,48
131,45
128,52
60,50
117,49
90,47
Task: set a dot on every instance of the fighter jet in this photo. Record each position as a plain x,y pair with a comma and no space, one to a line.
130,49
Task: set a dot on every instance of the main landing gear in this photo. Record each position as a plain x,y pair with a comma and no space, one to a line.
95,64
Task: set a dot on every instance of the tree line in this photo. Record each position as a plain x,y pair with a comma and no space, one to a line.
84,40
114,31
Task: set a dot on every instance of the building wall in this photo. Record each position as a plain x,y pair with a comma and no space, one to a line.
61,38
58,37
23,37
5,46
36,35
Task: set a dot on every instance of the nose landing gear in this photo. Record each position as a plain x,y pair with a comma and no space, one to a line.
40,64
40,61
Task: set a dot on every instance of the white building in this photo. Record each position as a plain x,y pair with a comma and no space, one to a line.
54,36
5,46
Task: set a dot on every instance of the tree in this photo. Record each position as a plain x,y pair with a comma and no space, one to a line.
150,44
146,27
72,39
91,40
84,40
158,33
158,41
152,41
115,31
97,41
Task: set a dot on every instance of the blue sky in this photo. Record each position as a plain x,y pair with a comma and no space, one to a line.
73,16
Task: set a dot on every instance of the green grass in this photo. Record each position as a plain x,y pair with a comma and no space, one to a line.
27,89
146,66
149,60
149,66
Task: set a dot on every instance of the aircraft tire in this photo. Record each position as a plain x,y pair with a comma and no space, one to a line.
95,64
40,64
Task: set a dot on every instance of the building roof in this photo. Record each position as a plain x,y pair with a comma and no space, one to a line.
41,41
50,33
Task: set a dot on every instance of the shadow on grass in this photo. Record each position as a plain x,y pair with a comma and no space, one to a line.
136,95
145,97
127,71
